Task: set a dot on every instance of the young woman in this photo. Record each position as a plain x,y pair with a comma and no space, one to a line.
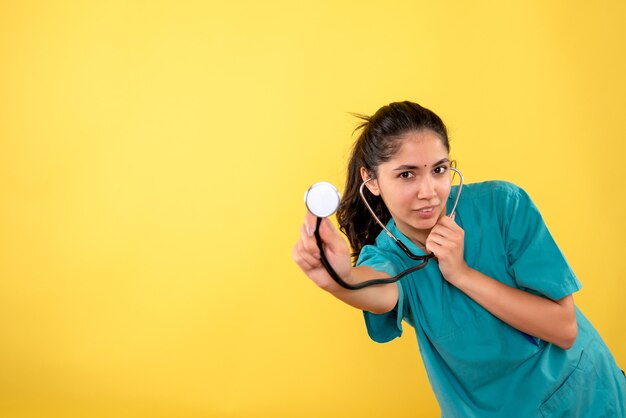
494,314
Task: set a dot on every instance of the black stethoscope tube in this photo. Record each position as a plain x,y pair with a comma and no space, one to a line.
366,283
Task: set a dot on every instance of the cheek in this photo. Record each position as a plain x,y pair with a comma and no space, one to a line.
397,200
444,192
405,195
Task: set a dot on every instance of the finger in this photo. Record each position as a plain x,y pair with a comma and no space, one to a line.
330,235
296,254
449,223
310,221
440,231
444,222
435,241
307,262
432,247
447,233
309,244
305,266
305,259
309,247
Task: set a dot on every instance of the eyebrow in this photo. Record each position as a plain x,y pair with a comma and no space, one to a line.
416,167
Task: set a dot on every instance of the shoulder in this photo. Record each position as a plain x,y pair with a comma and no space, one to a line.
382,259
495,200
497,194
496,188
382,247
382,255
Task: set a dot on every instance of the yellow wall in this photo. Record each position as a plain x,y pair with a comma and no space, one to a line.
153,158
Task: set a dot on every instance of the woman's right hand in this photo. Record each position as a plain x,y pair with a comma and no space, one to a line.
306,254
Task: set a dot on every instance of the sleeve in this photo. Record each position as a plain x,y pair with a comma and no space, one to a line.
385,327
535,261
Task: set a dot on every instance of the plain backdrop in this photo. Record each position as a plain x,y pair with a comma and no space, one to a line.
153,160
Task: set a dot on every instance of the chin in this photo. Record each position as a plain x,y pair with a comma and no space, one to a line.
426,224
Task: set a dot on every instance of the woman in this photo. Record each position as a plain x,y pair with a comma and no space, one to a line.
494,314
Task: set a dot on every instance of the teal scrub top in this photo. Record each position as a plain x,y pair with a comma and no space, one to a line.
479,366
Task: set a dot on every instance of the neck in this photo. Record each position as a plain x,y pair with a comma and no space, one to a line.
416,236
419,239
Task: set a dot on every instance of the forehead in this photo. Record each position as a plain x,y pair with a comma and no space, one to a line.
422,147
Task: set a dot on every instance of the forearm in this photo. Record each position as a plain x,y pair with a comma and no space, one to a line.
376,299
552,321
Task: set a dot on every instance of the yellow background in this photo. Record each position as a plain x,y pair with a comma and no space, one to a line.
153,159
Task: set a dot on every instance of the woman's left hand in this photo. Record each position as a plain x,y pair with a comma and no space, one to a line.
446,241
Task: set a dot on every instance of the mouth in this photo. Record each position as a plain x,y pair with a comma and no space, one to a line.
426,212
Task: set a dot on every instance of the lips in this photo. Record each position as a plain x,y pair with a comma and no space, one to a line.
426,212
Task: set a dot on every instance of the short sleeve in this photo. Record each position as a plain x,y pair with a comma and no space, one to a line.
385,327
536,262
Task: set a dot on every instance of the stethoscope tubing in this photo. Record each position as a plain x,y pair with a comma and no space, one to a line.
367,283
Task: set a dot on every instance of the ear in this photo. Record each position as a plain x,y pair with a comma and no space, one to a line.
372,185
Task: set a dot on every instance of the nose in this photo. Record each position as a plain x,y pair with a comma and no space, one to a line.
426,188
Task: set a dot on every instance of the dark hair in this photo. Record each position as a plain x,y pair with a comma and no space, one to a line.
378,142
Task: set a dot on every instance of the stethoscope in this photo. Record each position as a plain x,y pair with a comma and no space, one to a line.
322,200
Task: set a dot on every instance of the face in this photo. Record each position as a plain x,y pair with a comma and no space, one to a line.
415,184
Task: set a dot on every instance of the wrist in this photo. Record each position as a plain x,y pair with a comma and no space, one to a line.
333,287
461,276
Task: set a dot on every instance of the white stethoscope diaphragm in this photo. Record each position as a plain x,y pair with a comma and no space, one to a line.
322,199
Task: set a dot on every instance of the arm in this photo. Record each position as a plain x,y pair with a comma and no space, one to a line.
376,299
552,321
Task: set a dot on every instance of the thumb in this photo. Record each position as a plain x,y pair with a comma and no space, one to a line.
329,234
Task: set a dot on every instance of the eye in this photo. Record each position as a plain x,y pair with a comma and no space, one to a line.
405,175
440,170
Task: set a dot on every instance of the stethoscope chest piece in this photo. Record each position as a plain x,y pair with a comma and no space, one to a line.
322,199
